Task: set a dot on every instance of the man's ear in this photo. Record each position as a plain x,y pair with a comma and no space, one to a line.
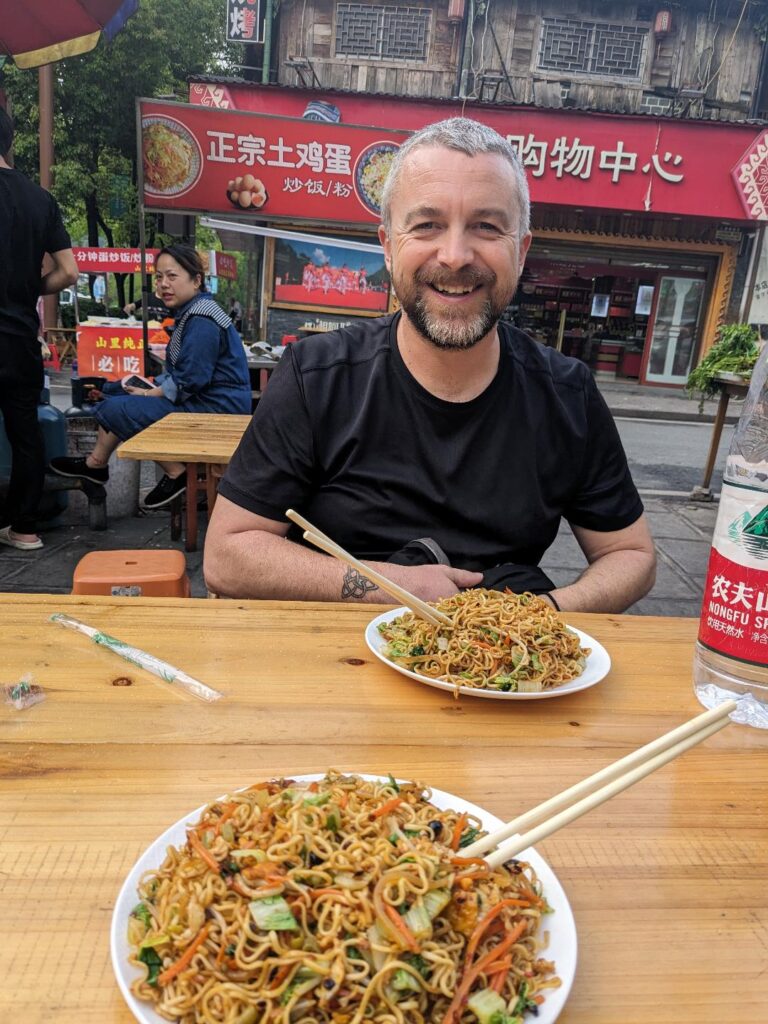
387,247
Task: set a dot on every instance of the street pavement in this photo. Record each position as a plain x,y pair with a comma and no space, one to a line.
682,528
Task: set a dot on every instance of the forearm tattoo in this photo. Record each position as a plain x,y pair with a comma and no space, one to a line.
355,585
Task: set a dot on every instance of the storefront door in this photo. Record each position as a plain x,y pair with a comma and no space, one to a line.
674,329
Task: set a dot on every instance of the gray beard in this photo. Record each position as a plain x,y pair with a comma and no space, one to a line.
453,332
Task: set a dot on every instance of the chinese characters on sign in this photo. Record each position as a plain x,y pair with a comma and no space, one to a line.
270,167
565,156
92,260
109,352
245,21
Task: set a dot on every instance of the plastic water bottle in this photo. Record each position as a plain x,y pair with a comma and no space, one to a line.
731,659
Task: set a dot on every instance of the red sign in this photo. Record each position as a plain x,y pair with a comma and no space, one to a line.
629,163
734,613
265,167
224,265
92,260
109,351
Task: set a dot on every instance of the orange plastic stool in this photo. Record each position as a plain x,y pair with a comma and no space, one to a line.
154,573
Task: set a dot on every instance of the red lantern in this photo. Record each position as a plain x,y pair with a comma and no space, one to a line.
663,24
455,10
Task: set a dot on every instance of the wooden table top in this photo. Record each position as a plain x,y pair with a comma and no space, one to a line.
667,881
188,437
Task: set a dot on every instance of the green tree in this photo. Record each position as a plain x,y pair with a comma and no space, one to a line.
95,110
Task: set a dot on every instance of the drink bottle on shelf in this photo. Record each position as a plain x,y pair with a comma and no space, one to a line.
731,659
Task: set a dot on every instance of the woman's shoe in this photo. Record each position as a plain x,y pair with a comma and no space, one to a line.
22,545
165,491
65,465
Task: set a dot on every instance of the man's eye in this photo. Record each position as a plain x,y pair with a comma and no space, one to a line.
487,226
426,225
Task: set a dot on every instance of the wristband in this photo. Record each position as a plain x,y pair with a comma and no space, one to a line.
548,594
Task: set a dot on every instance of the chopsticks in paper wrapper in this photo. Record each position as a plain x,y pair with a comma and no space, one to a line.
161,669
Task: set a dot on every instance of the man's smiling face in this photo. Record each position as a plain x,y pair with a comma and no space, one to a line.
454,251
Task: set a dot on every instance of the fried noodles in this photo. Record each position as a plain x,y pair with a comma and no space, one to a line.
499,641
337,902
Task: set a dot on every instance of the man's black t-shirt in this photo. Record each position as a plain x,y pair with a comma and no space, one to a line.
30,226
346,435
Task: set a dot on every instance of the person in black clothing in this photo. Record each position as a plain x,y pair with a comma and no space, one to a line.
438,444
30,227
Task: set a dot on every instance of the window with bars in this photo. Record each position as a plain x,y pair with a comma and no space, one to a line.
384,33
592,48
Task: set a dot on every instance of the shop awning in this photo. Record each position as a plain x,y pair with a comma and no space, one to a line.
37,32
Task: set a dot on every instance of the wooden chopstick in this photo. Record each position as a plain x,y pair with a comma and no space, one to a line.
518,843
324,542
612,771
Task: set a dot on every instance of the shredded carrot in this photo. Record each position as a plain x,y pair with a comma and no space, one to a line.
313,787
475,970
499,971
328,892
477,935
458,828
222,951
408,937
202,853
538,1000
185,959
227,813
466,861
281,975
344,800
385,808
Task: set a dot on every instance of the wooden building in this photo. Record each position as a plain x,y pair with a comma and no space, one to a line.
550,74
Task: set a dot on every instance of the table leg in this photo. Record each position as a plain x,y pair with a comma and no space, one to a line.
717,429
191,540
210,488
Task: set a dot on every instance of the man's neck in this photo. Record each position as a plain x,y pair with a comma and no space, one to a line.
4,164
455,375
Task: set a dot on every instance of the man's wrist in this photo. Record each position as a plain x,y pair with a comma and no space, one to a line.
548,596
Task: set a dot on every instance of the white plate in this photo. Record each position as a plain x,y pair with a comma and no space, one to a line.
561,926
597,667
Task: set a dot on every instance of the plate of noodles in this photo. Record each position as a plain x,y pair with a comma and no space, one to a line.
371,170
338,898
171,156
504,646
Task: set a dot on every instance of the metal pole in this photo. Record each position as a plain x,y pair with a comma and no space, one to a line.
142,236
45,101
267,57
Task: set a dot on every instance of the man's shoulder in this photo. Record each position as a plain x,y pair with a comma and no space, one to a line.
352,346
24,186
544,363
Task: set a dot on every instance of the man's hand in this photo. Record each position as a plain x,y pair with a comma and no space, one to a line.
429,582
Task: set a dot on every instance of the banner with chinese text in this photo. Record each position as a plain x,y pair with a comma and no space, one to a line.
93,260
573,158
109,351
274,168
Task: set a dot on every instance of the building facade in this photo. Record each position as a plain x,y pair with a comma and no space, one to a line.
640,125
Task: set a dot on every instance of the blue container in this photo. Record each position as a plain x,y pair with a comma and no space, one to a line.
54,428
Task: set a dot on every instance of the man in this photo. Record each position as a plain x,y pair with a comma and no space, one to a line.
30,227
437,434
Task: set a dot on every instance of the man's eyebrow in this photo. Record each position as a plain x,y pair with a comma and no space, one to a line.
422,213
499,213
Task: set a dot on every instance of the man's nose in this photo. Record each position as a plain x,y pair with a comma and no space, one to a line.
455,249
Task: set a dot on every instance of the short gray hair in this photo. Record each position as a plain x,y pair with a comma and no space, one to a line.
465,136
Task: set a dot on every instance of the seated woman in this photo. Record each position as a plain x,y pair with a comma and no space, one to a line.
206,371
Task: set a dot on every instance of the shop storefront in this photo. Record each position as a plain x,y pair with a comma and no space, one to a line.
639,222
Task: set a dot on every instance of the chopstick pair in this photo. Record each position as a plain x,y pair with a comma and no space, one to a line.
563,808
324,542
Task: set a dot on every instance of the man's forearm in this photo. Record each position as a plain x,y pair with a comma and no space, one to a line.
56,280
610,584
257,564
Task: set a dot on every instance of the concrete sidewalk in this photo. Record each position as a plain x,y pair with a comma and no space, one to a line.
681,528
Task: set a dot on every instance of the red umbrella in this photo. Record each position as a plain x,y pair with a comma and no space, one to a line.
37,32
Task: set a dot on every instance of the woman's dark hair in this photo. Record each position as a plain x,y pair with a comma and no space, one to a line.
6,132
186,257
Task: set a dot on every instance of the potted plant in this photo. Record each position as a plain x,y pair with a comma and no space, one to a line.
730,359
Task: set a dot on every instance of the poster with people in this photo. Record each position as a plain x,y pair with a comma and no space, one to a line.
329,276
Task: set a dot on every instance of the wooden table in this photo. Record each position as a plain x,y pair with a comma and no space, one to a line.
667,881
202,440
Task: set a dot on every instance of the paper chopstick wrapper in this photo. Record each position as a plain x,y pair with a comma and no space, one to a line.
159,668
